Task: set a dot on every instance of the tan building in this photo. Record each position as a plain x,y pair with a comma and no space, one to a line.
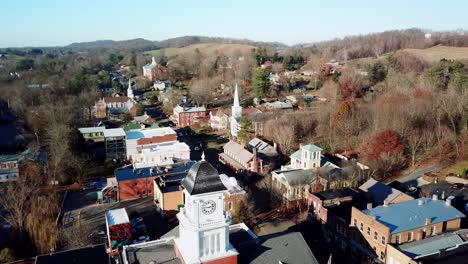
403,222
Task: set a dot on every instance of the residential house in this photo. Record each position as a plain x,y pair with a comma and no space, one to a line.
234,194
380,193
278,105
162,85
240,159
188,115
9,167
403,222
218,119
94,134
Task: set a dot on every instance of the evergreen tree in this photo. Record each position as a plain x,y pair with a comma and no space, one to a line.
261,82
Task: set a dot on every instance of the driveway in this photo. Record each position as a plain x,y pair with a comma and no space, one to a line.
415,174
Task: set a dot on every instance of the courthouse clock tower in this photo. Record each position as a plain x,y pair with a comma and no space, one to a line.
203,223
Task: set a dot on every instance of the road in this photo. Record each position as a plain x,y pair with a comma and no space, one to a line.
415,174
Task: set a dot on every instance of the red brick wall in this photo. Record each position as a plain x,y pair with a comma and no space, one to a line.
137,188
185,118
319,211
160,139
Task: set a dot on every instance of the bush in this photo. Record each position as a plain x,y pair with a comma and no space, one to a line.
7,255
24,64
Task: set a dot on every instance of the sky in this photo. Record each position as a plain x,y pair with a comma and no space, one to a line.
61,22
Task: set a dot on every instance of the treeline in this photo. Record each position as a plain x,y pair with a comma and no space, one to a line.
376,44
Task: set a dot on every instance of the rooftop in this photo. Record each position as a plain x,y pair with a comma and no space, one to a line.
340,193
409,215
311,148
189,109
114,132
157,251
129,173
279,105
231,184
149,133
431,245
86,130
117,217
90,255
202,178
238,151
10,157
379,191
263,147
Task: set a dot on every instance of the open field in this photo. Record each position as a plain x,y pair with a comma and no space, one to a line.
437,53
205,49
456,168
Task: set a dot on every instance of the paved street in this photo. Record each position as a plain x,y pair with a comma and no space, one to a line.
408,175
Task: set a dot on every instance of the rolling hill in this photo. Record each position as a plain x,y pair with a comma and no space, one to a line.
205,49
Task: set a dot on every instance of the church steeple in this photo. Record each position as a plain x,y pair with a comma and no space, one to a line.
236,108
153,61
129,89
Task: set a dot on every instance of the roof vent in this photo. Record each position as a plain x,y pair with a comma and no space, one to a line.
428,221
435,197
420,202
369,206
385,203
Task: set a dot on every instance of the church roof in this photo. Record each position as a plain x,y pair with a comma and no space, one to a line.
202,178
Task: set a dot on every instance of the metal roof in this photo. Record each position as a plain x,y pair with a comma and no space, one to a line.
409,215
431,245
117,217
114,132
86,130
90,255
311,147
202,178
237,151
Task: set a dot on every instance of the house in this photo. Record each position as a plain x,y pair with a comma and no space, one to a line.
154,146
94,134
239,159
162,85
264,150
118,230
296,98
403,222
450,247
110,105
234,194
114,141
9,167
148,69
205,233
380,193
188,115
278,105
274,78
218,119
308,169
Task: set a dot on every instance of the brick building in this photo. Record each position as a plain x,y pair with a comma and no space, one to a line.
403,222
188,115
240,159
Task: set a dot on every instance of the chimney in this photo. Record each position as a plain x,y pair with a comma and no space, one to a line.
385,203
300,145
275,146
369,206
434,197
428,221
448,202
420,202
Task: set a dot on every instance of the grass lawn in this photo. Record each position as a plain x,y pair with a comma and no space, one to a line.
456,168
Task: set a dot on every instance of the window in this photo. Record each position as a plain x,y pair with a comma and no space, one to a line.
355,222
135,183
375,235
382,255
433,230
410,236
362,226
383,240
397,239
368,231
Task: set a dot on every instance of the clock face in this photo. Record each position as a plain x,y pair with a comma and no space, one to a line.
208,207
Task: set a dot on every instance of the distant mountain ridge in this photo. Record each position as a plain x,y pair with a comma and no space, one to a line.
178,42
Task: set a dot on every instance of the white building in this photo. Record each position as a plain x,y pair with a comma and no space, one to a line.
129,90
162,85
148,69
236,114
154,147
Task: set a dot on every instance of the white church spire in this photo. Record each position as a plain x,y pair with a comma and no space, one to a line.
236,97
129,90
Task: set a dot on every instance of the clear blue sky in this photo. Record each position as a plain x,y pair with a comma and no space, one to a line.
60,22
